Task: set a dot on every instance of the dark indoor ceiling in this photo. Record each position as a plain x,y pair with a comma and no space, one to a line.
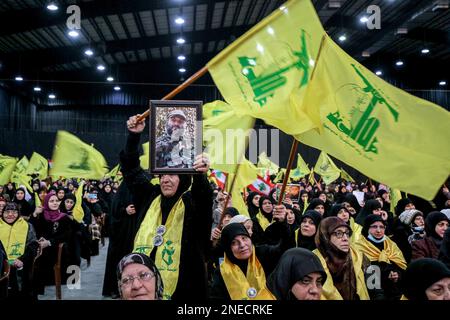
136,39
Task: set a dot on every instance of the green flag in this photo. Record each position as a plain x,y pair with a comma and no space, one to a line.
382,131
72,158
326,168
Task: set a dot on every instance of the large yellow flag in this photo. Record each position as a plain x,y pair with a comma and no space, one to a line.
215,108
265,72
301,170
38,165
382,131
326,168
264,162
74,158
22,165
225,138
145,158
7,166
21,179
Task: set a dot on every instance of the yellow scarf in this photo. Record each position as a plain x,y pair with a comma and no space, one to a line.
14,238
329,291
168,253
239,285
262,220
390,253
356,229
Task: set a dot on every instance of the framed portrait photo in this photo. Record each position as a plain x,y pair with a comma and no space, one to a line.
292,192
175,136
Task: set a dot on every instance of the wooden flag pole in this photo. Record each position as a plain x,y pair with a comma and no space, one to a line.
288,170
177,90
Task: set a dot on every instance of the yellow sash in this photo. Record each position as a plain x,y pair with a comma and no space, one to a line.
329,291
168,253
262,220
356,229
238,284
390,253
14,238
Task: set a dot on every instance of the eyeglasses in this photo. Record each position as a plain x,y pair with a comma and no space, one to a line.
142,277
378,227
340,234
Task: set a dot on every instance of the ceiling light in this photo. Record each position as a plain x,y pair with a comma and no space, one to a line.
88,52
73,33
51,96
181,58
117,88
425,51
399,63
110,79
379,73
182,70
19,78
52,7
37,89
342,38
181,40
363,19
442,83
101,67
179,20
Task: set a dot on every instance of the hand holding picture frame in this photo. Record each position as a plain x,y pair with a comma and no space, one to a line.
175,136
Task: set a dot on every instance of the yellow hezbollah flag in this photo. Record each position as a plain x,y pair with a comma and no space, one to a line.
145,158
264,162
22,165
382,131
346,176
114,171
395,195
7,165
74,158
326,168
265,72
225,138
301,170
311,178
38,165
21,179
215,108
280,175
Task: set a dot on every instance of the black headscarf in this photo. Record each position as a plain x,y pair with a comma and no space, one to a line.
432,219
261,200
309,242
24,207
314,203
62,206
401,204
444,254
294,265
140,258
371,219
335,210
227,236
168,202
231,211
350,198
367,210
420,275
252,209
11,206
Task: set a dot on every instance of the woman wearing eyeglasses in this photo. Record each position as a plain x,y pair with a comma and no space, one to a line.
385,255
343,264
138,278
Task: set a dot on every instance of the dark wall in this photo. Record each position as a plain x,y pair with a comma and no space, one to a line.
99,118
